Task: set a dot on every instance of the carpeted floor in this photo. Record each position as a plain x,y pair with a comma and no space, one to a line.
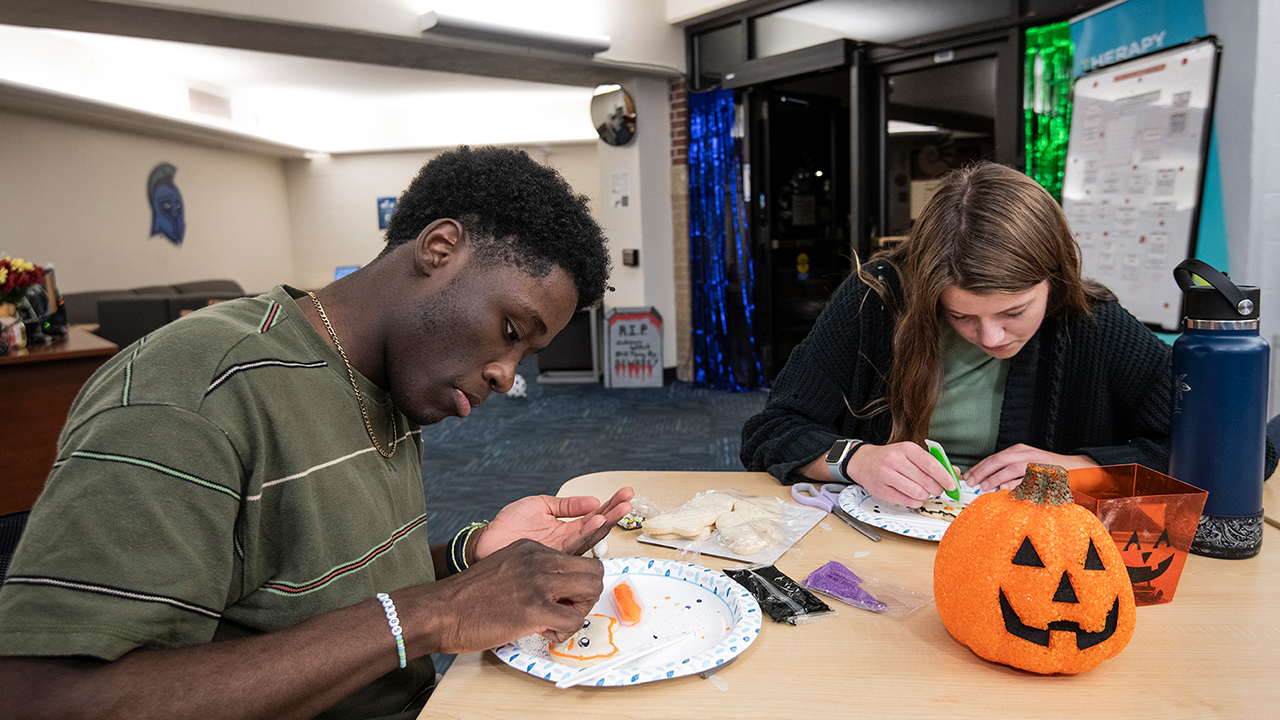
513,447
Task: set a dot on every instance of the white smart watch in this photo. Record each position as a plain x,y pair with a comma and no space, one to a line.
839,455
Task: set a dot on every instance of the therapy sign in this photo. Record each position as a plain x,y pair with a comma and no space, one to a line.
1128,29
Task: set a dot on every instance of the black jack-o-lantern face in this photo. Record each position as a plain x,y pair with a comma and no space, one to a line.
1145,572
1028,557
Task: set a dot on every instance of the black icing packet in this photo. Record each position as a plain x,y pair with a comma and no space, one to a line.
780,596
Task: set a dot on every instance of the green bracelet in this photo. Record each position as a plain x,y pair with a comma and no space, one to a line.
458,547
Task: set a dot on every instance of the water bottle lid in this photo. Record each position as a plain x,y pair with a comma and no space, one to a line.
1206,303
1220,300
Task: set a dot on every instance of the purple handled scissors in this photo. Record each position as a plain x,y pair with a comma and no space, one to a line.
825,496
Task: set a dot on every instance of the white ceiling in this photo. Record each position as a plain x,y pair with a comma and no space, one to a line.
321,104
888,22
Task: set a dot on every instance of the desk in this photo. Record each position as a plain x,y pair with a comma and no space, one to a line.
37,385
1212,652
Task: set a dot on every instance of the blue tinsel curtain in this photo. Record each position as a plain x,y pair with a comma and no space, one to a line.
720,267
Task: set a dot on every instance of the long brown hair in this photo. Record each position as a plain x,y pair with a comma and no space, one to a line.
988,229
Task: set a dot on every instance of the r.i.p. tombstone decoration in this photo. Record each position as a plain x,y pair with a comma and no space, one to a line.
633,351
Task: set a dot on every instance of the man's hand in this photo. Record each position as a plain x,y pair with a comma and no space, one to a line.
902,473
538,517
521,589
1005,469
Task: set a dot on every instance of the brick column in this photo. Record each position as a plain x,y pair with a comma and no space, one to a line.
680,228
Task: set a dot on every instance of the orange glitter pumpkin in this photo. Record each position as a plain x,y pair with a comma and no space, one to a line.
1030,579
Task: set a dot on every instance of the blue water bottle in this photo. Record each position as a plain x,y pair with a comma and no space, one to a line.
1219,411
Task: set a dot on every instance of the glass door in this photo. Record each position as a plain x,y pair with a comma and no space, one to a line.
800,200
939,112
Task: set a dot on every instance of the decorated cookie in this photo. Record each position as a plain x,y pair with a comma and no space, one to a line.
590,645
943,508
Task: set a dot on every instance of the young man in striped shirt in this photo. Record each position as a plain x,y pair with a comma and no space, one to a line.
235,525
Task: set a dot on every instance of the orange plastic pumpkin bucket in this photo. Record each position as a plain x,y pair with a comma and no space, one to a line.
1151,517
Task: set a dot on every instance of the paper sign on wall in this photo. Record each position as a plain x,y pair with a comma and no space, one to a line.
620,190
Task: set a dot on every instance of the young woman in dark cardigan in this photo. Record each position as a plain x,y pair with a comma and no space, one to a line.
978,332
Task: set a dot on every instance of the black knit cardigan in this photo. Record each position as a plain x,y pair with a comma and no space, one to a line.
1095,385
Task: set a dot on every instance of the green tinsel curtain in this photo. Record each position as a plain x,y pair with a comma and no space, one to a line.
1047,103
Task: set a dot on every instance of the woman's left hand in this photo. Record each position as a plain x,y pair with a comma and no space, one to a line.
1005,469
538,517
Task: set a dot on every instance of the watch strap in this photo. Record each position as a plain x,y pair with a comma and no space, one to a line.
844,464
838,469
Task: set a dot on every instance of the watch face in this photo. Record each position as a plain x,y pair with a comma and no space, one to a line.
833,455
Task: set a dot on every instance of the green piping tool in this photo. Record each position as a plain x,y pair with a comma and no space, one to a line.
935,449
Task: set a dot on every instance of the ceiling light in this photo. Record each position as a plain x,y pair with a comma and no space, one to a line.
902,126
452,26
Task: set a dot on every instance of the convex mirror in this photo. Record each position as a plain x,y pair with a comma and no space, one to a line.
613,113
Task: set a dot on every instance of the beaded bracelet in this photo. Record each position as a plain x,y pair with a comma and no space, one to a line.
458,547
394,621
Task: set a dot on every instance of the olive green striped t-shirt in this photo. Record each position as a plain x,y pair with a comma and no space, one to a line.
215,480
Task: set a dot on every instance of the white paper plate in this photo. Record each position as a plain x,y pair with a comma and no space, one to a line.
797,520
678,597
896,518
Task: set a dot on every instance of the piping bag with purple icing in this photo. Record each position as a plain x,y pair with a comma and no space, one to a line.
866,588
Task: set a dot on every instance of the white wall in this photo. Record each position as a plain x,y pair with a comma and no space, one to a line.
1235,24
1248,101
644,223
333,203
1262,265
76,196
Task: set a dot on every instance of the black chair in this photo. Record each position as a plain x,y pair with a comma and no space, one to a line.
125,319
11,527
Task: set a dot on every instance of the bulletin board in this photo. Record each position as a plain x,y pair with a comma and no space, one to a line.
1134,173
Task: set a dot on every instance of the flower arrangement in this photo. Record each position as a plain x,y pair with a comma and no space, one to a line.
16,275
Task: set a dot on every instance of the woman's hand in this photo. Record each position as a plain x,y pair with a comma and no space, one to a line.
902,473
1005,469
538,517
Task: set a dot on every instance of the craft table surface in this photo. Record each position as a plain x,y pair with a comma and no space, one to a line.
1211,653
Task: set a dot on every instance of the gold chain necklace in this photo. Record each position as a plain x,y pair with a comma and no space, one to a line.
395,431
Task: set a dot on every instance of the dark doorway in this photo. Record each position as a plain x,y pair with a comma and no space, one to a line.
799,154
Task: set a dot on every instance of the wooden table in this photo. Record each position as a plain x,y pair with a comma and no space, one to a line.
37,385
1212,652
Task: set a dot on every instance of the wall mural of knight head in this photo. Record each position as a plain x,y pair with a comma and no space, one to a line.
167,216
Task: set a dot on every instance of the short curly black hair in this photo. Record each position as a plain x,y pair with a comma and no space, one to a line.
516,212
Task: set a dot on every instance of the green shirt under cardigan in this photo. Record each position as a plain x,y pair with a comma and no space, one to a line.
966,417
215,481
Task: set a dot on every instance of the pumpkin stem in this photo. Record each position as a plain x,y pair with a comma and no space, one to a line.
1044,485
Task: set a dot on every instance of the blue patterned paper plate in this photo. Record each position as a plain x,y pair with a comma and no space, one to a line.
896,518
677,597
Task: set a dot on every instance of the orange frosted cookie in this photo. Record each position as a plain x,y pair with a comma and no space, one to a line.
590,645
